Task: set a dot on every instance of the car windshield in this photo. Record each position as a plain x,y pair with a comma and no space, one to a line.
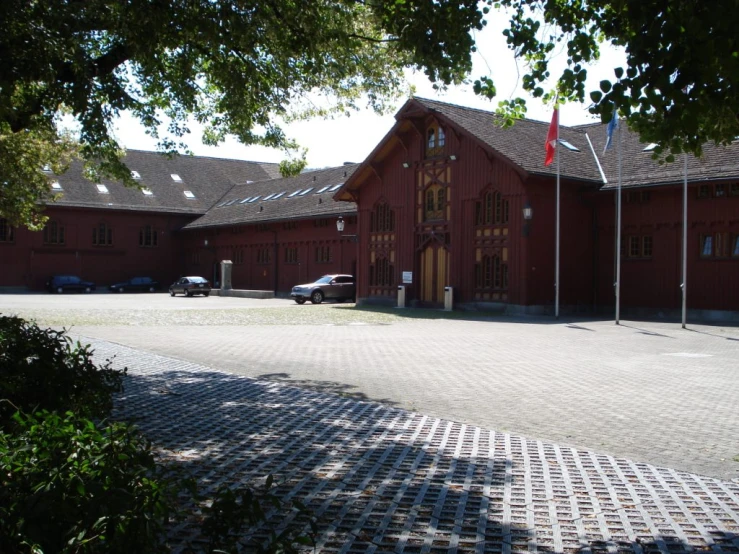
325,280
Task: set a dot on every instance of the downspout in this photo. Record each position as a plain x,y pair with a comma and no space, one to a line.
274,231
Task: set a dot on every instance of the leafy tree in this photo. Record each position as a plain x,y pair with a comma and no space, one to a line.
679,86
232,65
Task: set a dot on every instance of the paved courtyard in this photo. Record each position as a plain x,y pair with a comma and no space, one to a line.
407,434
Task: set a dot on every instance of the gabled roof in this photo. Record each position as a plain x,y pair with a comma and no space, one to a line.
207,179
306,196
639,169
522,144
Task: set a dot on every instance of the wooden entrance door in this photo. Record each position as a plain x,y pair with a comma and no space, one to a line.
434,271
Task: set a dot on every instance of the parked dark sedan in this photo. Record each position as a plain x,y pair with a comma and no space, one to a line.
335,287
190,286
137,284
68,283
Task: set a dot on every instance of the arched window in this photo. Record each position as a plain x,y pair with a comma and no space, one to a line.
491,272
382,219
435,140
435,203
491,209
382,273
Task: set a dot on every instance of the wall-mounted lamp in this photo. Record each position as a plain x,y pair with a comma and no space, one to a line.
340,224
206,243
453,158
528,214
406,165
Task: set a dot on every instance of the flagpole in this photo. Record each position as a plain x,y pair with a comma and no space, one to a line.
684,284
618,234
556,262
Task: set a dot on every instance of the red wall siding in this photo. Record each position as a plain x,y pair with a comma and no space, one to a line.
29,262
654,282
251,274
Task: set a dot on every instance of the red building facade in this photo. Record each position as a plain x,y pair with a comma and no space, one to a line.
455,185
438,205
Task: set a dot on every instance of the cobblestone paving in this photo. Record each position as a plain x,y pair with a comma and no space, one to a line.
382,479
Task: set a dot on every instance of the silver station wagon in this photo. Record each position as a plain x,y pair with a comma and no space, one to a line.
329,287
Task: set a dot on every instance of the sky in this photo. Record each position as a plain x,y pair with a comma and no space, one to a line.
351,139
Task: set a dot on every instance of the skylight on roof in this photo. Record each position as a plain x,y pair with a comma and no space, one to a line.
306,191
231,202
569,145
254,199
276,196
336,187
102,189
294,193
650,147
324,189
135,175
245,200
188,194
46,168
176,178
269,196
147,192
56,186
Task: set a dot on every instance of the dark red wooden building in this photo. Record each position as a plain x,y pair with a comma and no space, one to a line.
441,201
437,207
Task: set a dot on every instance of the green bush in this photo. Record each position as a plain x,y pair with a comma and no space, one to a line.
68,485
73,483
42,369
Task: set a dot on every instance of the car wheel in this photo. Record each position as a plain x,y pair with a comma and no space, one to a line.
59,290
316,297
206,294
88,290
171,292
188,293
300,301
151,289
120,289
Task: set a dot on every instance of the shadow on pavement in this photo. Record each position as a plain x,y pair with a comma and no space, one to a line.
381,479
330,387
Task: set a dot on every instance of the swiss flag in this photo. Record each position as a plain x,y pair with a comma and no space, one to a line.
552,137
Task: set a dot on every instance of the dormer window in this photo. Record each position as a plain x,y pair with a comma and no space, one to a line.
102,189
189,195
56,186
136,175
431,142
47,168
147,192
176,178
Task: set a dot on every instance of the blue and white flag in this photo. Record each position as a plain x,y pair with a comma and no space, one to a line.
612,126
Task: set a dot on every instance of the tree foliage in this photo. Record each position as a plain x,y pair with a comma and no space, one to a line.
231,65
679,86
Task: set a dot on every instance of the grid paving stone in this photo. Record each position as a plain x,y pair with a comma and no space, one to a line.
383,479
650,391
